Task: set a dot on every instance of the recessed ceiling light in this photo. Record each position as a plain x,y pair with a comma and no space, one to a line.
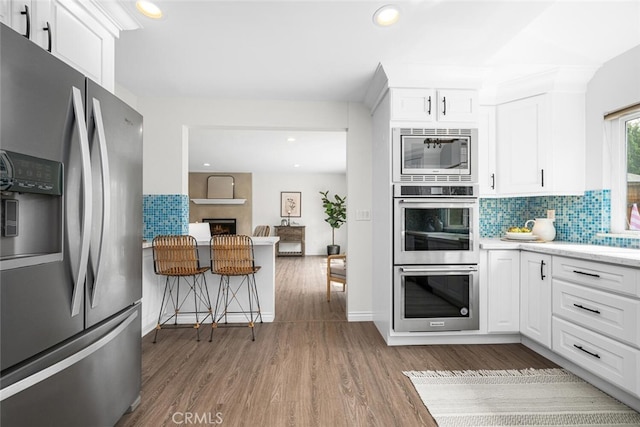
387,15
149,9
206,164
291,140
296,165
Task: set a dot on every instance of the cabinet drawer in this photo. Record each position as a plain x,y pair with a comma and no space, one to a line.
610,277
611,360
613,315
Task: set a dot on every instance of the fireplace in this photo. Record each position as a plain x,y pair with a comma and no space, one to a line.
221,225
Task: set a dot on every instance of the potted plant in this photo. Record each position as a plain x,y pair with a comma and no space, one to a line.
336,211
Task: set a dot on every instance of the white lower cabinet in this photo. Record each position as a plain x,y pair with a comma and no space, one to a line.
535,297
607,358
596,319
503,291
613,315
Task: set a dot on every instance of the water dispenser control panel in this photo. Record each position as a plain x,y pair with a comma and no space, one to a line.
28,174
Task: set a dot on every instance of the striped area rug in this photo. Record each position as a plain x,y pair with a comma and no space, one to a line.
530,397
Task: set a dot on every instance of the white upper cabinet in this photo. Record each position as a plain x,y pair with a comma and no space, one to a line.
540,145
487,150
521,136
431,105
76,31
29,18
413,104
82,42
456,105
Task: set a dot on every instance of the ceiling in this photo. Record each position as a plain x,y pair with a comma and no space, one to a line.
306,50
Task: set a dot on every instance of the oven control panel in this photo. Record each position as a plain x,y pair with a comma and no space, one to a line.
435,191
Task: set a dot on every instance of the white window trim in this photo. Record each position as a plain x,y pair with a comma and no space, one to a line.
618,172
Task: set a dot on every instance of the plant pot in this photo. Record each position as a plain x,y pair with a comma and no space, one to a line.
333,249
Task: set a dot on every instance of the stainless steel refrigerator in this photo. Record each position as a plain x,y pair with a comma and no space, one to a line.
70,261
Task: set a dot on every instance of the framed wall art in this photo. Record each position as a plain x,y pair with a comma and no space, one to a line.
291,204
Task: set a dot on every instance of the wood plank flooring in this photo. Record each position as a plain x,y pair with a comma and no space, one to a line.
308,368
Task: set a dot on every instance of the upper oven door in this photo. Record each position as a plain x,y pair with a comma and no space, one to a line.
435,231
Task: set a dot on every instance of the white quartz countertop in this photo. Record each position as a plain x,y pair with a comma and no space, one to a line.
610,254
257,241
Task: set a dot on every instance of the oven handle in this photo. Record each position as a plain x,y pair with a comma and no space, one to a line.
438,200
439,269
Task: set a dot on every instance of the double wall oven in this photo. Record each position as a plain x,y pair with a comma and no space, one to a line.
436,249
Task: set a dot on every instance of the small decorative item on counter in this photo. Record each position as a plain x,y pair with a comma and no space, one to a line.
543,228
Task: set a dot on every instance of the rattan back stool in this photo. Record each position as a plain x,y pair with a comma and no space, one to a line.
232,256
176,257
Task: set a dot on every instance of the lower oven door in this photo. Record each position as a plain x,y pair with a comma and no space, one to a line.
435,231
435,298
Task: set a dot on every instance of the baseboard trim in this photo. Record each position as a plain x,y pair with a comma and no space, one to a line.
360,316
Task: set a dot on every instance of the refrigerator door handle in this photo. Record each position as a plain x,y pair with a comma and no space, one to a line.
106,200
81,273
44,374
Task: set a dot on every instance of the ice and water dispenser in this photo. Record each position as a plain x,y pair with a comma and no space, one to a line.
32,210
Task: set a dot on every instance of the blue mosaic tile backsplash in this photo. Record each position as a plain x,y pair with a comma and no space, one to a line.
165,214
578,218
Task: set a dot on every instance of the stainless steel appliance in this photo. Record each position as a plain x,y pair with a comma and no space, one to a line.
436,252
435,224
71,262
434,155
435,298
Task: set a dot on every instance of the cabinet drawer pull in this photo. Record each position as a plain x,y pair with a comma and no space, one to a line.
27,17
585,308
542,264
444,105
579,347
429,106
48,30
586,274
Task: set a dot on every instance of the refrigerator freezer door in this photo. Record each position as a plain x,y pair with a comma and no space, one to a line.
37,120
90,381
115,134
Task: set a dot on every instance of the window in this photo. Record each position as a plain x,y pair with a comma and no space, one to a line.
632,127
624,134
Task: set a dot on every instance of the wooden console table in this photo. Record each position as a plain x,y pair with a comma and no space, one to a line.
290,234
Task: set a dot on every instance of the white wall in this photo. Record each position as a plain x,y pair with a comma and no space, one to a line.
266,205
614,86
165,151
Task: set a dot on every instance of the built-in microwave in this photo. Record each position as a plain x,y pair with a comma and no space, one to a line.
434,155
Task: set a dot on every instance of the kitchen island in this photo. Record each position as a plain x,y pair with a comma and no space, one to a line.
153,284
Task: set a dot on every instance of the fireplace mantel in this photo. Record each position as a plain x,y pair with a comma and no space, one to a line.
219,201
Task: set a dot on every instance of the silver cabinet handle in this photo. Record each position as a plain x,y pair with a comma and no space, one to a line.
81,273
40,376
106,200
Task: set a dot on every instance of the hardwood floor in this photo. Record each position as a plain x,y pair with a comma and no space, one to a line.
308,368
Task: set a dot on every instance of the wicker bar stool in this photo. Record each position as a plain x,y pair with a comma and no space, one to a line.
232,256
176,257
